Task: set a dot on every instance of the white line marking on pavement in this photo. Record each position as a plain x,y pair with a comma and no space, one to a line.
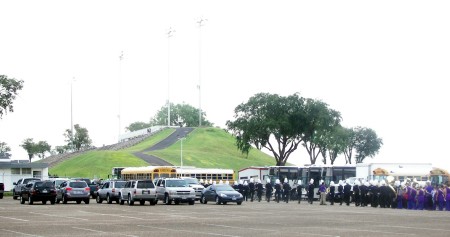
16,232
67,217
17,219
258,229
102,232
114,215
358,230
188,231
417,228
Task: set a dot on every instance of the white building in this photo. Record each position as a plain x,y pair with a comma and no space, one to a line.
13,170
399,171
255,173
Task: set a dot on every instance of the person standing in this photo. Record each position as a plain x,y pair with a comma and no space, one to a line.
286,190
277,190
251,187
420,197
356,193
269,190
259,189
246,191
341,191
363,188
332,191
447,198
440,198
299,190
311,191
323,193
347,192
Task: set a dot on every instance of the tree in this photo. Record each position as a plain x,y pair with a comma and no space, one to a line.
336,142
320,122
78,140
41,148
137,126
4,150
367,144
267,116
29,146
9,88
180,115
350,143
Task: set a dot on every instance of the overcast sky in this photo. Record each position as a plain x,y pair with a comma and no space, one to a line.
383,64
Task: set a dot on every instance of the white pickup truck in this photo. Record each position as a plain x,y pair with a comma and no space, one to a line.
176,190
138,190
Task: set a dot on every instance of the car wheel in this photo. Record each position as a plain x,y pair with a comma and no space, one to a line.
52,202
1,195
121,201
224,203
99,199
78,201
153,202
86,201
130,202
22,200
167,200
56,200
64,199
44,202
30,201
191,202
239,203
203,200
217,200
141,202
108,199
14,195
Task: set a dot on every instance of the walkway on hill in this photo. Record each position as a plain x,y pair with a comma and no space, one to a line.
171,139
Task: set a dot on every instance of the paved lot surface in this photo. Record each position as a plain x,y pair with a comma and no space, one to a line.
249,219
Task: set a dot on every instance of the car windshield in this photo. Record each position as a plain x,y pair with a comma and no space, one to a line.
58,182
44,185
120,184
176,183
25,181
191,181
224,188
145,184
80,184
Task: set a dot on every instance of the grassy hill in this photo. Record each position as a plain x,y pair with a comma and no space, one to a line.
203,147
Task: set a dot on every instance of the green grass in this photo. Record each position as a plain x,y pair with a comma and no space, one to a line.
203,148
212,148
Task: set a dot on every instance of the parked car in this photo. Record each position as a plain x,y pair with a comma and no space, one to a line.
58,181
19,184
110,191
221,193
43,191
193,183
93,186
2,189
176,190
138,190
73,190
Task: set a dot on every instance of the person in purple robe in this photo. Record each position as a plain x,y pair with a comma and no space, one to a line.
447,198
440,198
428,197
411,198
420,198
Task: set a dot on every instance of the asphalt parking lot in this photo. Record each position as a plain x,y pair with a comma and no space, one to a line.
249,219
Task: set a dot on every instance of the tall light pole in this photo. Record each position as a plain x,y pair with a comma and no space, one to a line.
169,35
119,92
200,24
71,111
181,151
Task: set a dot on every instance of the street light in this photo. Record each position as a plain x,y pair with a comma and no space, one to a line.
181,151
120,91
71,111
200,24
169,34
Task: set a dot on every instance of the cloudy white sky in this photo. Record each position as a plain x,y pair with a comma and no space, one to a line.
382,64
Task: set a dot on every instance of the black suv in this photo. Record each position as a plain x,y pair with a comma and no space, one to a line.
38,191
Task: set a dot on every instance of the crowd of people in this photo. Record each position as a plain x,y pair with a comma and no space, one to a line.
401,195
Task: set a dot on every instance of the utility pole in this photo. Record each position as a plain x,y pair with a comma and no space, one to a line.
169,35
120,92
200,24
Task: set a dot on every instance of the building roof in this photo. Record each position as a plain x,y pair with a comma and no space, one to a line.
35,165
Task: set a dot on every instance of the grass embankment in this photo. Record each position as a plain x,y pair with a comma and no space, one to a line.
212,148
98,164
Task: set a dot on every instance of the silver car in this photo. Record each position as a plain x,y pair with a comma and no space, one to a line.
73,190
110,191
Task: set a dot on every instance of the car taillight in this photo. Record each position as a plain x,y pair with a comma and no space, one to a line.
68,189
113,190
87,189
33,192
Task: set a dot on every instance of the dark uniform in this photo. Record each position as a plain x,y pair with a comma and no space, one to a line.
356,193
347,193
277,192
246,191
286,191
259,191
251,187
332,191
340,193
299,192
311,193
269,189
363,189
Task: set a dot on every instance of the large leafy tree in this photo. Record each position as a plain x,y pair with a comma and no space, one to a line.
336,142
266,116
30,146
137,126
42,147
367,144
79,140
9,87
180,115
4,150
320,122
350,144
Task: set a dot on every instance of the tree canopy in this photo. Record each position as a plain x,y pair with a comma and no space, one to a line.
79,140
280,124
9,88
180,115
33,149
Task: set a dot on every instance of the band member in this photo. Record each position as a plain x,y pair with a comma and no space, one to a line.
347,192
251,187
420,197
332,191
440,198
277,190
259,189
356,193
311,191
269,189
447,198
364,189
323,192
341,191
286,190
299,191
428,197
